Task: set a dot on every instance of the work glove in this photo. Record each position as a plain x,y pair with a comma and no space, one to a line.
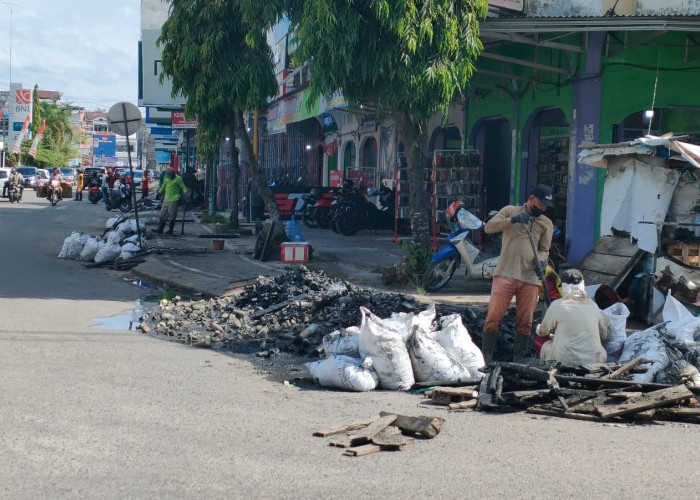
522,218
541,265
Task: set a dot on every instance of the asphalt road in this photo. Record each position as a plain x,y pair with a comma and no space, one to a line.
89,413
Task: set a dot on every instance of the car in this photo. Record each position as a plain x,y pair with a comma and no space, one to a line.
4,175
29,174
42,176
69,174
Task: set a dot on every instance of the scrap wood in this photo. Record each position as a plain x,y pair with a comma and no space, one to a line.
435,383
490,390
447,395
342,430
655,399
391,438
359,451
366,434
679,413
464,405
539,410
643,386
625,394
278,306
625,368
428,427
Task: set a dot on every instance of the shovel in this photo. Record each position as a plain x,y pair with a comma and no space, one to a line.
540,271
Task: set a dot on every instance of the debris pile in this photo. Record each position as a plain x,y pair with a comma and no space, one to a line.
291,312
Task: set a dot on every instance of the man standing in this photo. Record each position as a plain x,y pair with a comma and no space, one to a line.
79,184
172,190
516,273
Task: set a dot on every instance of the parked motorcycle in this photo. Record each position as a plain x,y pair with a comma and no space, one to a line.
307,209
361,213
348,195
119,198
13,193
54,192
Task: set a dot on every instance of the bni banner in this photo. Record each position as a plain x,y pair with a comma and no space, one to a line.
21,105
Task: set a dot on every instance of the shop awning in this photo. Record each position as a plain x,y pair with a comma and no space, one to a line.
596,156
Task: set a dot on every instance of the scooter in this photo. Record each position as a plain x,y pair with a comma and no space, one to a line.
54,188
13,193
362,213
307,210
119,198
446,261
94,194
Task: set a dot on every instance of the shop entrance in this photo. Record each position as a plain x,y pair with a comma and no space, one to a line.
492,138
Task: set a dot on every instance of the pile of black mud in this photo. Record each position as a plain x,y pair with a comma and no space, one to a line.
291,313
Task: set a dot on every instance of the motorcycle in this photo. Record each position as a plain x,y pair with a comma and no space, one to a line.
13,193
446,261
119,198
94,194
348,195
54,192
361,213
307,210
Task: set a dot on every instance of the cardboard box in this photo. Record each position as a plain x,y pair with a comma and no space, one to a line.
295,252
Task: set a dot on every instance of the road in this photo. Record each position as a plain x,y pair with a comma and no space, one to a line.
111,413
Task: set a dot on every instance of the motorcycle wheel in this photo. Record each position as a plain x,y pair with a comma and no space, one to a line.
93,199
439,274
321,215
307,216
125,205
347,225
54,199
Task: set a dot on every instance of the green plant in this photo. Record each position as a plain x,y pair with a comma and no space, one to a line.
416,261
209,218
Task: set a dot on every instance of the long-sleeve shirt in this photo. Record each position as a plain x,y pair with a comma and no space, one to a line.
172,188
517,260
579,329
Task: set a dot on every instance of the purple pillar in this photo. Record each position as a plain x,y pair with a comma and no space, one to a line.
583,179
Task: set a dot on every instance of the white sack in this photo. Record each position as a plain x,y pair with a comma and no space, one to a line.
115,237
388,351
344,372
345,341
73,245
404,322
431,362
682,325
123,255
129,226
130,247
107,253
616,316
111,222
133,239
92,246
64,248
455,338
651,345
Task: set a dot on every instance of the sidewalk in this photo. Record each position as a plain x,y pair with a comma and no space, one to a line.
189,262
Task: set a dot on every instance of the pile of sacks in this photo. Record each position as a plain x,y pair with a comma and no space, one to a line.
119,243
396,352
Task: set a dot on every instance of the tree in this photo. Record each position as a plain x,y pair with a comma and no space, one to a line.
217,56
422,56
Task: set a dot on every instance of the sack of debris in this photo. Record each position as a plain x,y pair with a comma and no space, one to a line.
655,347
73,245
345,341
128,251
387,349
405,322
92,246
111,222
115,237
344,372
431,361
681,324
680,372
107,253
616,316
130,227
455,338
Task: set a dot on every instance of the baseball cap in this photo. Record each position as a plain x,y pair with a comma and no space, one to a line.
544,194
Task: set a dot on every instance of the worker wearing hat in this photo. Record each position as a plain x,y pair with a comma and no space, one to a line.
516,273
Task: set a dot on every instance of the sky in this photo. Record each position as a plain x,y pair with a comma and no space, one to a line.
85,49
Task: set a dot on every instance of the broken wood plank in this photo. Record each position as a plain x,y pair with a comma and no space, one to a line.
391,439
490,390
447,395
535,410
679,412
436,383
278,306
625,395
359,451
644,386
342,430
464,405
366,434
428,427
624,368
655,399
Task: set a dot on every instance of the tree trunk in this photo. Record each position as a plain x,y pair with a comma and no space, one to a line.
209,194
257,176
415,143
235,178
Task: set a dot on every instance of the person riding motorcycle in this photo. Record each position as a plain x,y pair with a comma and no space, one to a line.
15,179
55,176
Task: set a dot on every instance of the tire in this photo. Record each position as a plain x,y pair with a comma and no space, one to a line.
347,224
93,198
54,198
321,216
307,216
125,205
439,274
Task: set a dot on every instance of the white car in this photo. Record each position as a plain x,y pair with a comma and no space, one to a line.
4,175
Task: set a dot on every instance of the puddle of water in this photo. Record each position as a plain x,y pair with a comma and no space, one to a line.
129,320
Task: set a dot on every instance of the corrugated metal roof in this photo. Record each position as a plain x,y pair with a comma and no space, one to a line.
579,24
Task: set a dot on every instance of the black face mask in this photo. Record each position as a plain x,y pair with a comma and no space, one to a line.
535,212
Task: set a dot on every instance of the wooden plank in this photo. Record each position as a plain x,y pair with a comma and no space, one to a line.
679,412
428,427
535,410
655,399
604,263
366,434
447,395
359,451
464,405
436,383
391,439
490,390
342,430
625,368
615,246
625,395
597,278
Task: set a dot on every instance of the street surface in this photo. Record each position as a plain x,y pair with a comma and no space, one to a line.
90,413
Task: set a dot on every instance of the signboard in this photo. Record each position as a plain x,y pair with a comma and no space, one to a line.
508,4
178,120
335,178
104,145
20,105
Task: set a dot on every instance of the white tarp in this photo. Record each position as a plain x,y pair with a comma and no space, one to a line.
636,191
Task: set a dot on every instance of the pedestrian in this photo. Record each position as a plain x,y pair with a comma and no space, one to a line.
172,191
79,184
574,324
111,178
145,184
516,273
